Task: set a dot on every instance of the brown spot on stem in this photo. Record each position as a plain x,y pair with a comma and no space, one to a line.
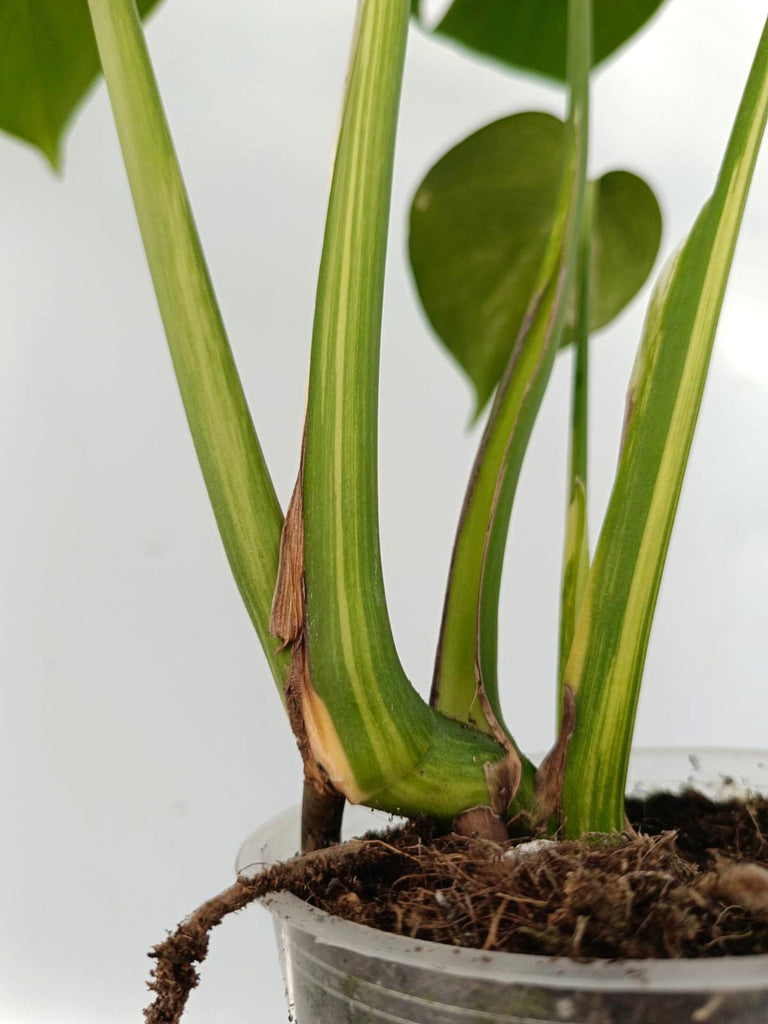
297,686
503,779
549,777
326,765
503,776
480,823
287,617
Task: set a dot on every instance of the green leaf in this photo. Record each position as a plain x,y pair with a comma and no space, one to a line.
48,61
624,245
531,34
479,226
607,656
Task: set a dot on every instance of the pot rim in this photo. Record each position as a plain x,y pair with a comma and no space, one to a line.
712,974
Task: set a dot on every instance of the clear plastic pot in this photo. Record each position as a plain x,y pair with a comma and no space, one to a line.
338,972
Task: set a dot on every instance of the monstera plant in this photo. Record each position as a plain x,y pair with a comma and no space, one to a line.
516,255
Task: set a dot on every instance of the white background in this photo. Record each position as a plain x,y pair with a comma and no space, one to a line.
141,739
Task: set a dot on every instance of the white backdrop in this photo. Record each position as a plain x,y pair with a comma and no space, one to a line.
141,737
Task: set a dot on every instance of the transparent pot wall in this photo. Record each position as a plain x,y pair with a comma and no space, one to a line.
337,972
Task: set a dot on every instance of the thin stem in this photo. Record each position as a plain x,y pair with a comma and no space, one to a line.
579,405
607,657
576,553
469,630
238,482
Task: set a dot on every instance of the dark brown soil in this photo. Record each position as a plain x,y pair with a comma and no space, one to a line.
690,879
692,882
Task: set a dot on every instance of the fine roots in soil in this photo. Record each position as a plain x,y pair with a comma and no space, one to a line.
689,879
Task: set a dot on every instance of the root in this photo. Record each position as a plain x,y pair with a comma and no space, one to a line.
175,974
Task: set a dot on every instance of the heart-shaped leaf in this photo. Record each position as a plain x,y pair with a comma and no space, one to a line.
479,225
48,60
626,233
531,34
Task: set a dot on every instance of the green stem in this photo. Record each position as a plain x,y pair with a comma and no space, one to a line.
365,724
241,492
579,407
605,664
353,661
576,554
469,631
